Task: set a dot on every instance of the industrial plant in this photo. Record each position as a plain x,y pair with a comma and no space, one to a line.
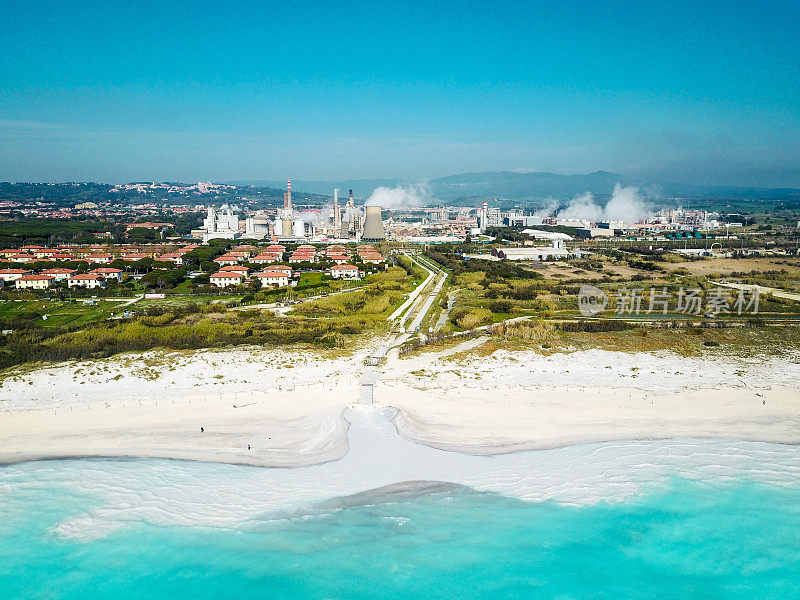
337,223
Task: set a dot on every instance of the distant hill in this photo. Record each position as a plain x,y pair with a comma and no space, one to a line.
466,188
502,184
362,188
522,186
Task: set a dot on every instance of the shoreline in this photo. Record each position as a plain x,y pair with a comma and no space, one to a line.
289,408
537,419
278,434
382,464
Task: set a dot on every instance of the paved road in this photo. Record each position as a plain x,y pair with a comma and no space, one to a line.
373,373
428,303
414,294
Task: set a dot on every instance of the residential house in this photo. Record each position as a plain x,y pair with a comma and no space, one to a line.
372,258
88,280
241,269
12,274
108,273
174,257
99,258
59,273
226,278
265,258
345,272
34,282
278,278
134,256
227,259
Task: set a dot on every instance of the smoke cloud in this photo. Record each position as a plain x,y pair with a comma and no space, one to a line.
626,205
582,207
349,213
548,209
312,217
402,196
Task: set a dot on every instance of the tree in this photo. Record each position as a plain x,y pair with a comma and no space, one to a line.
162,278
142,234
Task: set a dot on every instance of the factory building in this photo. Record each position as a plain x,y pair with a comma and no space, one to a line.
556,251
593,232
257,227
221,224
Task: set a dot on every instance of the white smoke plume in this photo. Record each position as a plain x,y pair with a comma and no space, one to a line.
402,196
582,207
313,217
626,205
349,212
548,209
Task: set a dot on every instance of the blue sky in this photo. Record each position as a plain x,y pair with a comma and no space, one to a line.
702,92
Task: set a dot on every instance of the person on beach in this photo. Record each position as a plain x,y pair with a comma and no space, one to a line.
202,430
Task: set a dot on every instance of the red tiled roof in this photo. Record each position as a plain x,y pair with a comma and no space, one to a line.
86,277
35,278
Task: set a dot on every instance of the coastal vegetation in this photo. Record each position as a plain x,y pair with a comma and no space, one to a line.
534,305
332,321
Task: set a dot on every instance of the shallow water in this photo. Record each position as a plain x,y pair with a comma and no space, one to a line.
686,539
665,519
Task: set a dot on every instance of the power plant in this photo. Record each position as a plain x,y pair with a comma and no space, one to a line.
339,222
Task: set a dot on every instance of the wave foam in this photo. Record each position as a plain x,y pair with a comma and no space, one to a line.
164,492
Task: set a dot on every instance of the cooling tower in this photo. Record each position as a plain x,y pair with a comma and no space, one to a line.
373,225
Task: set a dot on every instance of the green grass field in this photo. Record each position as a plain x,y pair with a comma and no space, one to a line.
60,313
183,300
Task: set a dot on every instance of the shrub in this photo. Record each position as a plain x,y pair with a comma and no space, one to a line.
595,326
470,317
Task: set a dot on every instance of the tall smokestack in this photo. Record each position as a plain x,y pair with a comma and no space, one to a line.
288,204
337,214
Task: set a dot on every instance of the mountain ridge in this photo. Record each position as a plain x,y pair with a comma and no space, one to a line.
515,185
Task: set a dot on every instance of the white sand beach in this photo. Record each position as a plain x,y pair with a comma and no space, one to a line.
525,401
287,406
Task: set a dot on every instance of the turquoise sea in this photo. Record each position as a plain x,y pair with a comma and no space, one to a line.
678,538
